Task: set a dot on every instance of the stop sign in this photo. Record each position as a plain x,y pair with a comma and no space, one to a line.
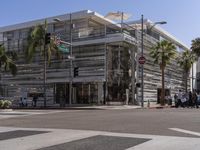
142,60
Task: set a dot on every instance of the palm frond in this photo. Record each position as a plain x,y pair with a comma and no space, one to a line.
2,50
196,46
186,60
7,62
163,52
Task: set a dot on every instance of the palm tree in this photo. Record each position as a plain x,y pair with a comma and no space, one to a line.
196,46
186,61
196,50
7,62
36,43
162,53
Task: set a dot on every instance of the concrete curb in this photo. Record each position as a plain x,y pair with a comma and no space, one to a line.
6,110
123,107
160,107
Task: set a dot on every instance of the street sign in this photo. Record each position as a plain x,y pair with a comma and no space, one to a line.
142,60
64,48
62,45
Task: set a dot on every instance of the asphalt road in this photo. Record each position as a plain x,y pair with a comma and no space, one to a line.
137,121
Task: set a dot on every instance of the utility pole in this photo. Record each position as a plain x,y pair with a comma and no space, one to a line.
46,41
122,21
142,55
142,67
44,76
71,77
70,57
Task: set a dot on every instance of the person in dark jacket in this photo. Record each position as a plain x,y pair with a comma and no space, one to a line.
194,99
179,97
34,100
190,99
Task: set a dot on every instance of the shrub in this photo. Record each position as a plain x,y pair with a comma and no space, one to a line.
1,103
5,104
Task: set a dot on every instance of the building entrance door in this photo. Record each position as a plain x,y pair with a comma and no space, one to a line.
62,94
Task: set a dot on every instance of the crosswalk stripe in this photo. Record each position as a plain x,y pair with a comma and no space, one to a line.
185,131
14,114
60,136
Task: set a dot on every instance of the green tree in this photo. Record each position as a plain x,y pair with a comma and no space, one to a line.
7,61
196,50
36,44
186,61
196,46
162,53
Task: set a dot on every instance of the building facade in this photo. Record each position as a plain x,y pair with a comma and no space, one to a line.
174,75
104,55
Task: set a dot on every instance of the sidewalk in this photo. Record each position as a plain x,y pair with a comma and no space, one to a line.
99,107
158,106
111,107
85,107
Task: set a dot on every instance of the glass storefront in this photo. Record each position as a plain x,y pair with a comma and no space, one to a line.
82,93
119,64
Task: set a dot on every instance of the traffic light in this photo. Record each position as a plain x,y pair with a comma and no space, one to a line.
75,71
47,38
138,85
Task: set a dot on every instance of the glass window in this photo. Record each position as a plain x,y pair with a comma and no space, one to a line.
1,37
9,35
24,33
59,27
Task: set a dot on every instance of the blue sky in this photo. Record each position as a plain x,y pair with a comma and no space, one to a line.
182,16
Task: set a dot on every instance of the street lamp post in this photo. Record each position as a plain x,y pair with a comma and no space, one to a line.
142,67
46,41
44,75
142,54
70,57
156,23
71,63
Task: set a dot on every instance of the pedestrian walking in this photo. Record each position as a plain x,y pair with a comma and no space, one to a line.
190,99
179,103
175,99
184,100
194,99
35,100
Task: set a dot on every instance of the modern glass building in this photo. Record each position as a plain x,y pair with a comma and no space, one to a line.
103,54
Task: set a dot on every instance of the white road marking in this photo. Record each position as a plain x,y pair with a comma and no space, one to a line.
59,136
185,131
18,113
54,137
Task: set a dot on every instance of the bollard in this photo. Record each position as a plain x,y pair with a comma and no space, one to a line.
148,104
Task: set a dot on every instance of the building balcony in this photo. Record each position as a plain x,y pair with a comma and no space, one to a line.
87,36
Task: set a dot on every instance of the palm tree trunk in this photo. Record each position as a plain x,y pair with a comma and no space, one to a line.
186,77
192,76
162,101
